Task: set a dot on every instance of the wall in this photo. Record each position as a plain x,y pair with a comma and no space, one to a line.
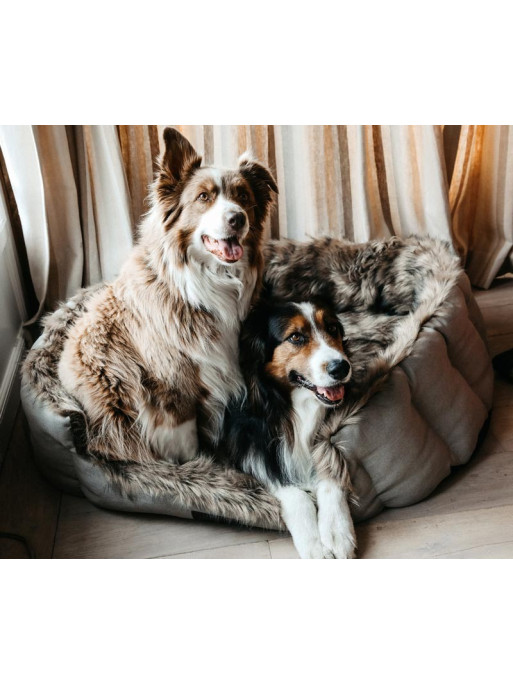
12,314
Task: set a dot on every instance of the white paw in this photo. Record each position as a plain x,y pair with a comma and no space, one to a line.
310,548
316,549
338,536
336,529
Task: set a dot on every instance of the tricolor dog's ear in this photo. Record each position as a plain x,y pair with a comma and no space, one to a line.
254,342
261,181
177,162
266,398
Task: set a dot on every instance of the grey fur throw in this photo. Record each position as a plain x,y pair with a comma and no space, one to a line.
421,392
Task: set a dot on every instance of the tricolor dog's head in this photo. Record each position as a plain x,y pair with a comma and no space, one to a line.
215,214
297,345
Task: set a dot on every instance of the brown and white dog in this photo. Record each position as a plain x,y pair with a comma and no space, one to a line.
296,369
154,359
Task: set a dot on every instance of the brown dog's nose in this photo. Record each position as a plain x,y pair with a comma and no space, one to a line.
235,220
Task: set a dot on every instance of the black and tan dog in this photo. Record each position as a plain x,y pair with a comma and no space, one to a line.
296,369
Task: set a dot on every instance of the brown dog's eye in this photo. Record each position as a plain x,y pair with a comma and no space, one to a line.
203,196
332,329
243,196
296,338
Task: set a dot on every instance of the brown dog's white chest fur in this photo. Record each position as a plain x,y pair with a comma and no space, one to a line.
160,344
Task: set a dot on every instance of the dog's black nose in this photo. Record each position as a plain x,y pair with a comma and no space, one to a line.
338,369
235,219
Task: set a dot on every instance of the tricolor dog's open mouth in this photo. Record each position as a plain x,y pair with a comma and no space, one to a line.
228,249
331,396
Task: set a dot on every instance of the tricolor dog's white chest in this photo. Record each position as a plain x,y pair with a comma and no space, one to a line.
308,414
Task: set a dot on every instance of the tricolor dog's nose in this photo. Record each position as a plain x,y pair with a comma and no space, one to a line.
339,370
235,219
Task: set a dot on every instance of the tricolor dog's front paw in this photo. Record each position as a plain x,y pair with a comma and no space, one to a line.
309,548
336,529
338,538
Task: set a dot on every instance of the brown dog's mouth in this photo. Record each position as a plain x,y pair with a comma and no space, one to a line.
330,396
228,249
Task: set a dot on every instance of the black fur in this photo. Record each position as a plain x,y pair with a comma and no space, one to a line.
258,424
255,429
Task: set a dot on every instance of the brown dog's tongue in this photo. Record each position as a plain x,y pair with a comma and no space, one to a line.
332,393
230,249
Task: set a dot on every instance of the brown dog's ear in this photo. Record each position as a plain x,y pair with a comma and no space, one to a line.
261,181
178,160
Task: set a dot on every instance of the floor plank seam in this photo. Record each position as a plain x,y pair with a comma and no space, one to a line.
426,517
208,548
478,546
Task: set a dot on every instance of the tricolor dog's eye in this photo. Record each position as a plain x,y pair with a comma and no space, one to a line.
332,329
203,197
296,338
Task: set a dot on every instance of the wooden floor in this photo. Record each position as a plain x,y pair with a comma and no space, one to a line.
469,516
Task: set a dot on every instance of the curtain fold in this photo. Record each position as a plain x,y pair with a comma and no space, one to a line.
21,158
71,192
139,149
481,198
111,211
60,206
81,190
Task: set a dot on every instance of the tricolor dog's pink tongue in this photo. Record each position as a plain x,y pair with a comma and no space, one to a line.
230,249
332,393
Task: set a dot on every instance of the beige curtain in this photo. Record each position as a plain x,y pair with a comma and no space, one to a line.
481,198
80,190
70,188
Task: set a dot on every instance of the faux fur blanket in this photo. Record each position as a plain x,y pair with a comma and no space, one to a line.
384,292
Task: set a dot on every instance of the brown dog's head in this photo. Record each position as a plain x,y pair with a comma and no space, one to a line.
215,214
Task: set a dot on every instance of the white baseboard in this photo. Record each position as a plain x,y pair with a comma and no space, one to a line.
10,394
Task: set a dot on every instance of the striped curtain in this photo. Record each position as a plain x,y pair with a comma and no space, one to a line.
78,192
356,182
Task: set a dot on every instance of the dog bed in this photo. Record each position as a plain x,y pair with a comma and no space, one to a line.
422,390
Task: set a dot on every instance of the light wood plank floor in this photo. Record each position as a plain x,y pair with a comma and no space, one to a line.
469,516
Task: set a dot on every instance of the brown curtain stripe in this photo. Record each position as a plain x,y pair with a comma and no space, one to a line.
451,135
345,182
139,151
464,187
275,226
379,157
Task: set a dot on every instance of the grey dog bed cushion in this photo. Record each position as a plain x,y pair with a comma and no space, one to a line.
425,419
